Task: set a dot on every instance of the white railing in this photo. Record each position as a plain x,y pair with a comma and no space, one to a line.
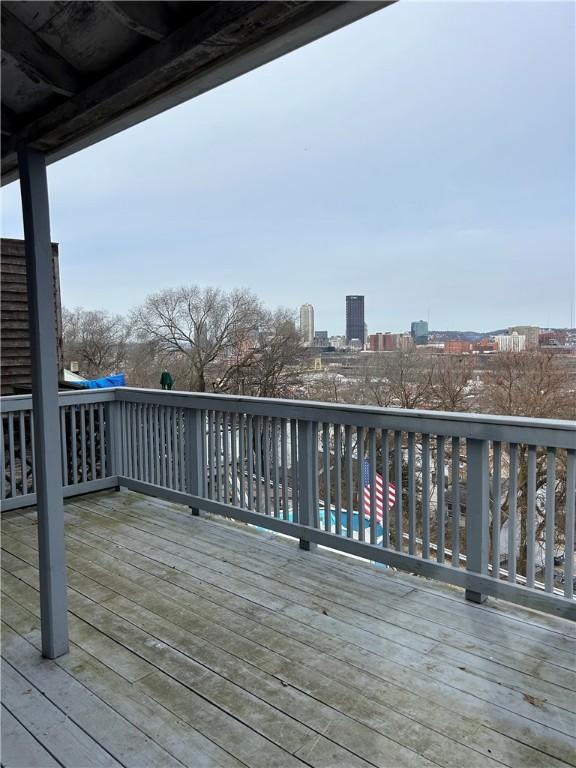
482,502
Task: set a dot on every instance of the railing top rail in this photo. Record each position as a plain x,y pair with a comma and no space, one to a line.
546,432
551,432
9,403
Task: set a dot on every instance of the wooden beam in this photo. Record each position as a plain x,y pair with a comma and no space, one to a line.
150,19
35,58
8,122
225,41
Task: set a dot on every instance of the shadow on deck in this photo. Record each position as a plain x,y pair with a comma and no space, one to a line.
202,642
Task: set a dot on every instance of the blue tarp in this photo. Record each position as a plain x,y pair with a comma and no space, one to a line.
116,380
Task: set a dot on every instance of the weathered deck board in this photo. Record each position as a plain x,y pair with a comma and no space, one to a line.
222,645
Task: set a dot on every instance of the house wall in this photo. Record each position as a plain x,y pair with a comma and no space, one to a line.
15,364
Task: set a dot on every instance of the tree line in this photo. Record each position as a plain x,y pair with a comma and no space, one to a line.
210,340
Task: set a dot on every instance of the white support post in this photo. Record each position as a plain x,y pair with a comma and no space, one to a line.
43,346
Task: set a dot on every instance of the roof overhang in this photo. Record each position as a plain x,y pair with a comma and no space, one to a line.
75,73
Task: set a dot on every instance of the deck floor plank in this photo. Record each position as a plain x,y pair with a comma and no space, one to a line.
221,645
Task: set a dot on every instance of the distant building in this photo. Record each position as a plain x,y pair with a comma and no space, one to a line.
419,331
552,338
355,326
457,347
406,341
512,342
338,342
321,339
391,341
531,332
485,345
307,323
376,342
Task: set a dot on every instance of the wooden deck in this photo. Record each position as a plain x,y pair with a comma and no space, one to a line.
200,642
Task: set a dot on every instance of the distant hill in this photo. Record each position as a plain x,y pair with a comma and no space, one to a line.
477,335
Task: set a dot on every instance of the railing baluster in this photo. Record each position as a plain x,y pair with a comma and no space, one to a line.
32,443
225,459
175,444
373,486
242,458
284,463
162,452
234,459
349,482
219,451
426,496
129,446
307,502
63,444
360,481
3,457
455,502
550,512
441,497
496,506
182,450
386,483
258,427
512,511
531,516
294,467
33,449
22,434
315,472
398,482
275,468
210,461
569,524
170,427
326,462
11,454
411,493
250,457
92,438
83,443
338,479
145,441
74,445
140,432
102,437
477,507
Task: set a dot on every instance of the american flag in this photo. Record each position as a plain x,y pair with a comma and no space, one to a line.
379,493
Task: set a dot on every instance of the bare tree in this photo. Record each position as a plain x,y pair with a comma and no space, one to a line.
400,379
533,385
450,379
96,339
530,384
274,367
208,330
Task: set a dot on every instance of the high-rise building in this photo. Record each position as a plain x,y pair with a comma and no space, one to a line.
419,331
307,323
355,327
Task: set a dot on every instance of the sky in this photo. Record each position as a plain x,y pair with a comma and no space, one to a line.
423,156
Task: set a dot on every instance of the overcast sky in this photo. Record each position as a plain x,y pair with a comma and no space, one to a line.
424,156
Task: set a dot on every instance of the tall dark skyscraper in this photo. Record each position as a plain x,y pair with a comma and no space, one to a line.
355,319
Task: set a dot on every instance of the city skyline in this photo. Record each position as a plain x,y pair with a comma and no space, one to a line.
437,182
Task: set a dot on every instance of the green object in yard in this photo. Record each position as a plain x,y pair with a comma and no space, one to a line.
166,380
